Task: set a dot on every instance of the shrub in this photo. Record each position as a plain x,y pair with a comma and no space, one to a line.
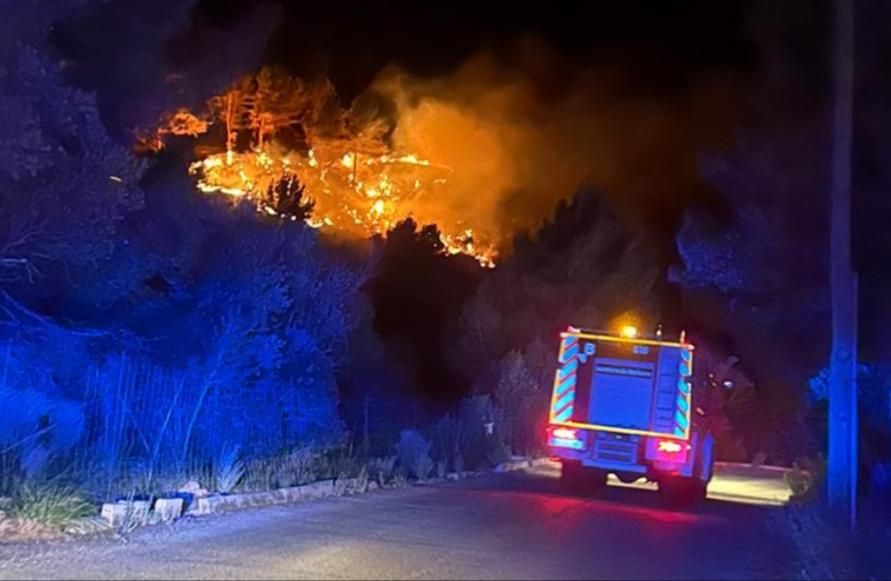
414,454
346,463
258,475
50,505
382,470
228,469
497,452
299,466
352,484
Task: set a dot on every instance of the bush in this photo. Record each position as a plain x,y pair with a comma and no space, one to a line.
477,420
414,454
382,470
50,505
449,437
299,466
228,469
345,463
497,452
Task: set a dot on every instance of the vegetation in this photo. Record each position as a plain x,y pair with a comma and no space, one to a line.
50,505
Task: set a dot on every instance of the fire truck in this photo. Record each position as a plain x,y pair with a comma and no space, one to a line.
622,404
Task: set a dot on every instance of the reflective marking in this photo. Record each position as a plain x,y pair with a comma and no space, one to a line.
569,353
564,415
567,369
568,384
563,401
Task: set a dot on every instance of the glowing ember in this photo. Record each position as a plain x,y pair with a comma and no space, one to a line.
336,188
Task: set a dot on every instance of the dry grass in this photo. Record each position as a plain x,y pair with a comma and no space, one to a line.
50,505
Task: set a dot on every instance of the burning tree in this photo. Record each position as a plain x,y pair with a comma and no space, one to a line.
352,179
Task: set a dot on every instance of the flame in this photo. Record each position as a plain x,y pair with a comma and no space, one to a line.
358,184
386,182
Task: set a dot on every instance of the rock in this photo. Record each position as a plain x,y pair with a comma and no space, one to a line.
320,489
86,526
205,505
512,465
350,485
194,488
126,514
168,509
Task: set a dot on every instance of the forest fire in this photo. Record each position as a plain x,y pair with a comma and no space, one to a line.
351,181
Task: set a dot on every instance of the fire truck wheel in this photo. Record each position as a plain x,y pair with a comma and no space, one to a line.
576,479
680,491
677,491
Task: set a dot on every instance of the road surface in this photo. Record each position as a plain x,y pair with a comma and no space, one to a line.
513,525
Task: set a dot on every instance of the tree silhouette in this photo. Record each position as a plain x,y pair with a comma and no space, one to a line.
285,198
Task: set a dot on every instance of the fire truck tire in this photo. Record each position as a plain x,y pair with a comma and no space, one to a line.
681,491
576,479
677,491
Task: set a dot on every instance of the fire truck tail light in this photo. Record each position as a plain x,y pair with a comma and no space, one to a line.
561,437
565,433
669,446
672,451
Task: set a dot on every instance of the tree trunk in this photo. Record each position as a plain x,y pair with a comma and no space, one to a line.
842,470
230,138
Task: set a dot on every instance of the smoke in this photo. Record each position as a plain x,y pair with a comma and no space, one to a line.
524,132
519,129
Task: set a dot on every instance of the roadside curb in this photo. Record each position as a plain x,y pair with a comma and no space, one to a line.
742,499
217,504
520,464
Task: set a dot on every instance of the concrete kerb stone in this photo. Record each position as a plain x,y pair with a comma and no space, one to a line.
222,503
134,512
347,486
168,509
317,490
512,465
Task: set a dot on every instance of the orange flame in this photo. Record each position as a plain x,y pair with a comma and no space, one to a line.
359,196
358,185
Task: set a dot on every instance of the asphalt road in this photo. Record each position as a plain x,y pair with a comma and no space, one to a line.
514,525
